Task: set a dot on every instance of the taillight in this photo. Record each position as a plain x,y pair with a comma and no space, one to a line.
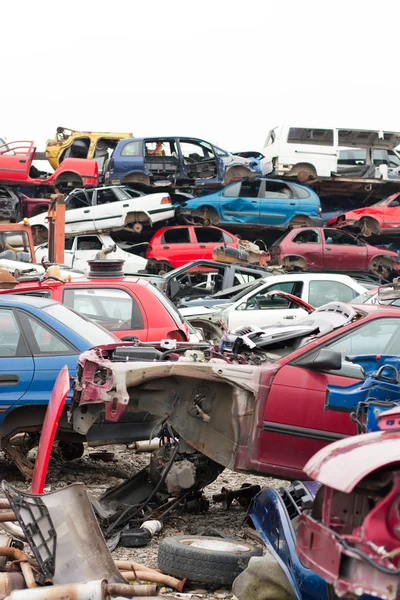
176,335
166,200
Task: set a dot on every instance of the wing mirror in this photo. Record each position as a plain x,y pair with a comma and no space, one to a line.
322,360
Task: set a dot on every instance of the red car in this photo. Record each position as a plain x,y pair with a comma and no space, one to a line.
127,306
263,412
382,218
318,249
16,168
172,247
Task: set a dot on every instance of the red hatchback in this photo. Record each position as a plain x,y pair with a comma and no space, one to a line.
172,247
127,306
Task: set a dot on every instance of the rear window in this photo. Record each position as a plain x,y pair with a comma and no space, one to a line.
80,325
131,149
208,235
316,137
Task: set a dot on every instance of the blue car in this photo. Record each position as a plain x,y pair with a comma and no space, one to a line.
175,162
268,203
38,336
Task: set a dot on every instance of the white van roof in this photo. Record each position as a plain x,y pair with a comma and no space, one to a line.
357,138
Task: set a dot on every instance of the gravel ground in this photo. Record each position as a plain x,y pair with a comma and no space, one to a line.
99,475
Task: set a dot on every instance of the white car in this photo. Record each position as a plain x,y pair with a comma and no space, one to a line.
253,307
81,248
111,208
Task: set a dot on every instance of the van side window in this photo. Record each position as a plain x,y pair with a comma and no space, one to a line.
317,137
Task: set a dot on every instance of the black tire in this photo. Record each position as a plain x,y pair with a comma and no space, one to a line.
212,564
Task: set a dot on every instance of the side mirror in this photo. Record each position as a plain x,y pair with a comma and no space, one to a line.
173,288
322,360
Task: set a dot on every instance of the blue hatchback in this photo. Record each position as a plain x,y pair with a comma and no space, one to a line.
269,203
175,162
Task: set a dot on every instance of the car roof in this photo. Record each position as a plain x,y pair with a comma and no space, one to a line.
308,277
37,302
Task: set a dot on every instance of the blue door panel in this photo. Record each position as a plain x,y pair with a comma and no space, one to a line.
16,374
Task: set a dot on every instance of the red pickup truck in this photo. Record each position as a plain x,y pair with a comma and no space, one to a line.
16,168
323,249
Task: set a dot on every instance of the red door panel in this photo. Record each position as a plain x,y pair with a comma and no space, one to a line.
295,422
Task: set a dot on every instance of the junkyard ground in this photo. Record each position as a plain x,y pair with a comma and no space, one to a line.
99,475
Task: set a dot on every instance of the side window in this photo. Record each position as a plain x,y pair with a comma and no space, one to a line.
232,191
322,292
240,278
275,189
310,236
208,235
43,340
179,235
69,242
165,148
131,149
270,138
89,242
339,238
11,341
105,196
352,158
394,159
112,308
228,239
379,157
261,301
220,152
394,203
318,137
78,200
380,336
196,150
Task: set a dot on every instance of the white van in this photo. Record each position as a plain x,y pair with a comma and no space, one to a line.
305,153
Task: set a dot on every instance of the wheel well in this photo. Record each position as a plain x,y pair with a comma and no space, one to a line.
136,177
136,217
29,419
301,221
385,261
295,170
69,177
294,262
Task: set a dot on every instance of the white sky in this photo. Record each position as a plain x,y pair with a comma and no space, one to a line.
222,70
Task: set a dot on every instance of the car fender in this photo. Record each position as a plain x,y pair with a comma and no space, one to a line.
84,168
343,464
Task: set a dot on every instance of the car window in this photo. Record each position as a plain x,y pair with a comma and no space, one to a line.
112,308
394,159
262,302
11,340
220,152
78,200
319,137
380,157
68,243
333,237
105,196
159,147
80,325
380,336
310,236
356,157
17,242
275,189
131,149
394,203
240,278
232,191
196,150
89,242
228,239
207,235
178,235
43,340
322,292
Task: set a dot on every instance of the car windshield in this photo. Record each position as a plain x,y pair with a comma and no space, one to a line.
80,325
247,290
363,298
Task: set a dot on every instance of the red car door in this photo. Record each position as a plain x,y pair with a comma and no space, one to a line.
295,422
391,214
178,246
15,161
343,252
208,238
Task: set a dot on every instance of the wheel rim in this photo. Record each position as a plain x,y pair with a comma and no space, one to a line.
216,545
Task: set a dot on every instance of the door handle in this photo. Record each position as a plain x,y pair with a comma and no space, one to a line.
9,380
292,203
202,246
125,205
166,247
86,211
254,201
328,249
22,160
289,317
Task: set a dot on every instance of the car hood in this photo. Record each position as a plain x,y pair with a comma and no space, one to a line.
200,311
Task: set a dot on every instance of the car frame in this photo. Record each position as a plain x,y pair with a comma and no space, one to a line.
377,219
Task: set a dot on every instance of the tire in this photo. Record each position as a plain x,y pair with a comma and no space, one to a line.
218,561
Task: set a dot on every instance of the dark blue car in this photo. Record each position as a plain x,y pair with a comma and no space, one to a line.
176,162
38,336
269,203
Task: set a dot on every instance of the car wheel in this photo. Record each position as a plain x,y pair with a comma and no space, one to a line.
206,560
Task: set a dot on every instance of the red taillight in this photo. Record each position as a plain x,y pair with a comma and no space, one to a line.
176,335
166,200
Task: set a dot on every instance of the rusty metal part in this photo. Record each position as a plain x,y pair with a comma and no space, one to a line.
130,565
4,503
128,591
176,584
242,495
18,458
144,446
7,516
95,590
10,582
22,558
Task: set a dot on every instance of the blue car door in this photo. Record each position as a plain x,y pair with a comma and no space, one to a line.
239,203
278,204
126,158
50,353
16,362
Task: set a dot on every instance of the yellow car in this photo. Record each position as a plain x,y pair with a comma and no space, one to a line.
82,144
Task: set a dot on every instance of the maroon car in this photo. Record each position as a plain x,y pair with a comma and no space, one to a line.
14,205
318,249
